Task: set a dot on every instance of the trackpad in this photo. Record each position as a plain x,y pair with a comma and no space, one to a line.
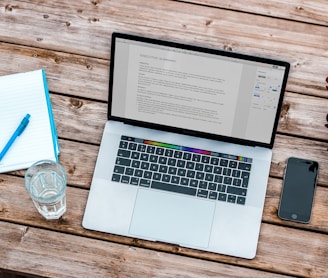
170,218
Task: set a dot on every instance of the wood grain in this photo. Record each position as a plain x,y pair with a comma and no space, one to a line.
302,252
84,28
310,11
75,258
71,41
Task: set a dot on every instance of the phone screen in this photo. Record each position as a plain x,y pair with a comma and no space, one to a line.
298,190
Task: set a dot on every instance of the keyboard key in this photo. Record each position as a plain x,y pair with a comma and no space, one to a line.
168,152
233,164
200,175
196,157
163,168
213,195
132,146
214,161
135,155
150,149
221,188
175,180
162,160
157,176
141,148
205,159
125,179
166,178
144,156
147,174
212,186
171,161
135,164
222,197
190,165
184,181
181,163
187,156
209,177
144,165
224,162
144,183
227,180
241,200
138,173
191,174
217,170
178,154
153,158
236,190
208,168
244,166
134,181
232,199
173,170
236,182
129,171
173,188
236,173
124,144
182,172
123,153
119,169
116,177
199,166
193,183
203,184
123,161
202,193
154,167
226,172
159,151
218,178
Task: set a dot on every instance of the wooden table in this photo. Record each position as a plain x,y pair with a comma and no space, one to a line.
71,41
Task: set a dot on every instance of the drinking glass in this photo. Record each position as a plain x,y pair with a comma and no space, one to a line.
45,181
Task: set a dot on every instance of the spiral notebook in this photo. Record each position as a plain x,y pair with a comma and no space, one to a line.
21,94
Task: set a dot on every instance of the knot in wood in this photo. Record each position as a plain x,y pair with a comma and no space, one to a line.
76,103
9,8
227,47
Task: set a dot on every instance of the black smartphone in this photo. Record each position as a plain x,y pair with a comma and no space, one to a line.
298,190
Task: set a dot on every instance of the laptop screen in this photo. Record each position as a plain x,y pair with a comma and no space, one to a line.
196,90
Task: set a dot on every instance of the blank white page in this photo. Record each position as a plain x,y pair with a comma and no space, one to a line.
21,94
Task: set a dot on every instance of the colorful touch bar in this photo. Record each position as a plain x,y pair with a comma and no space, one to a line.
187,149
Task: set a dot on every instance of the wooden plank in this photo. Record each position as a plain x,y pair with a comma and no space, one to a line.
280,250
45,253
66,73
75,27
319,220
310,11
286,146
301,111
76,200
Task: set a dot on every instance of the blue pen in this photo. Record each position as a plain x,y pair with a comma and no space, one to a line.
17,133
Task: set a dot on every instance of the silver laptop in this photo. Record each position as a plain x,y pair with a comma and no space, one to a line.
186,151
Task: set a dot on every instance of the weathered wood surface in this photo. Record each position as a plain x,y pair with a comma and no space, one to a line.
71,40
281,248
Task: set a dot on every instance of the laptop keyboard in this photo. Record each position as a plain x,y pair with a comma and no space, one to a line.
184,170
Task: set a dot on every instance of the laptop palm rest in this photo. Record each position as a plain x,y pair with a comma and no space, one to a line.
172,218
